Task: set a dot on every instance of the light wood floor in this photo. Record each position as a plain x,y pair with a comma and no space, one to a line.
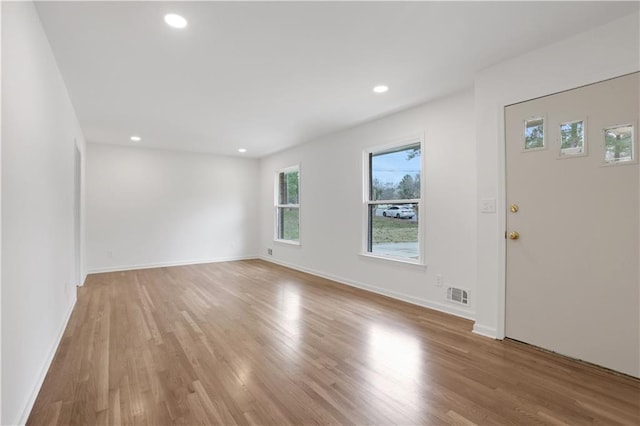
253,343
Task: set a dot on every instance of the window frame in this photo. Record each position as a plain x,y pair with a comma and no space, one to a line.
278,206
367,201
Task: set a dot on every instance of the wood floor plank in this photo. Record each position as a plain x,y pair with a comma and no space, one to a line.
252,343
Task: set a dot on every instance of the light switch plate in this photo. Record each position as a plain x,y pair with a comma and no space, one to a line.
488,205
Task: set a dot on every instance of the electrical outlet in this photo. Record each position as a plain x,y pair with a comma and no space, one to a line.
270,252
439,280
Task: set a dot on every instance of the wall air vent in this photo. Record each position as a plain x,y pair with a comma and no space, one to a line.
458,295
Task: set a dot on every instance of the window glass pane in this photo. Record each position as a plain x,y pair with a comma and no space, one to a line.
394,230
572,138
395,175
288,187
534,133
618,144
288,223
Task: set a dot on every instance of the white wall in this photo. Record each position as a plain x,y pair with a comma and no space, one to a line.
39,128
331,180
0,219
148,207
598,54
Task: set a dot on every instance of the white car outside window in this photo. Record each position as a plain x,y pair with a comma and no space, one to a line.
399,212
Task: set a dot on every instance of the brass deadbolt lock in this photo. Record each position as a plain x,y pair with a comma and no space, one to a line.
514,208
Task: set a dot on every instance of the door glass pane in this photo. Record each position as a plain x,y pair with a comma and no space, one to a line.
572,138
618,143
395,175
534,133
394,230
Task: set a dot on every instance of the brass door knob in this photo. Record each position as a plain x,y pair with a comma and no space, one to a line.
513,235
514,208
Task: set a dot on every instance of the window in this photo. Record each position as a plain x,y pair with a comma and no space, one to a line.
572,138
534,133
393,201
618,144
288,205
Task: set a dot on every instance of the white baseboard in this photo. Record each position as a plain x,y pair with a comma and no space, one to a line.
485,331
167,264
43,374
436,306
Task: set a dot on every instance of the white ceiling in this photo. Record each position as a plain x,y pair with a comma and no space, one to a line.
266,76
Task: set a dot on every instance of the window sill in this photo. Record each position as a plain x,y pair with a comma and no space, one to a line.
288,242
411,263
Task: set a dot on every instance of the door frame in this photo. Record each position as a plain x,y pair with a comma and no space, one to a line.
501,202
501,207
78,212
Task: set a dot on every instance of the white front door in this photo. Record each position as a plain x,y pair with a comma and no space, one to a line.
573,225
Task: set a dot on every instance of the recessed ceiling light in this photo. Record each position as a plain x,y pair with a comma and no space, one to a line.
135,138
175,21
242,150
380,89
